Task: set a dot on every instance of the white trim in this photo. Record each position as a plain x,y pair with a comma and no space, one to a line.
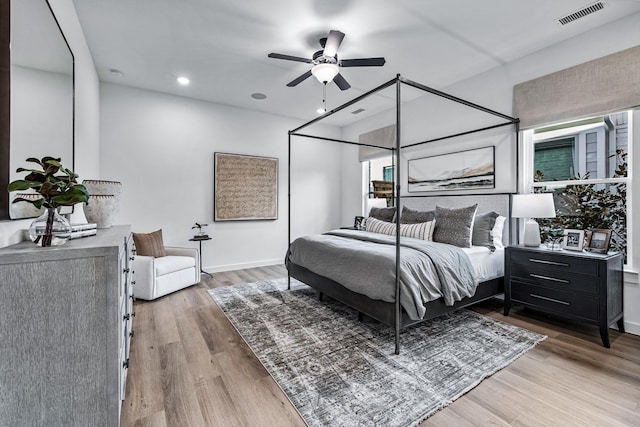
631,328
631,277
568,131
565,183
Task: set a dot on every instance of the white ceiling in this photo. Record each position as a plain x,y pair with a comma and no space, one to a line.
222,46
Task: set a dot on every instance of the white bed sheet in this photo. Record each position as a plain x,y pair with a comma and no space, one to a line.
487,265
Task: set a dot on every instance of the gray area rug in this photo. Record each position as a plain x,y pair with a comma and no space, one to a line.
338,371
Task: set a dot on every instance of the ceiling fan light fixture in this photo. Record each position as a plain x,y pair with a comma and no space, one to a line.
325,72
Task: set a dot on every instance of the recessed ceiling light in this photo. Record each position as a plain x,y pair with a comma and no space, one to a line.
116,72
258,95
183,80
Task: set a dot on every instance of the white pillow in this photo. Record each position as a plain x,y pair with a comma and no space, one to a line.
496,232
421,230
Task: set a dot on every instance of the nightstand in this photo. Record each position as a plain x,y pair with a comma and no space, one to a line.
582,286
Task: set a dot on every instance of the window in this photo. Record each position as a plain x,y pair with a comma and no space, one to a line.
585,165
378,175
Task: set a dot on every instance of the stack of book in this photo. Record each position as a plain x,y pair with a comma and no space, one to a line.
83,230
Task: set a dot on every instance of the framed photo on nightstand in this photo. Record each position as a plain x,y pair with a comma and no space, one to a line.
573,240
598,240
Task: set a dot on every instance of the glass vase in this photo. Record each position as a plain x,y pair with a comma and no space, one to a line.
50,229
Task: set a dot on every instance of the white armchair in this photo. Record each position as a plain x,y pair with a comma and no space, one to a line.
156,277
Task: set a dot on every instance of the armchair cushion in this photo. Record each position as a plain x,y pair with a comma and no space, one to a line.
169,264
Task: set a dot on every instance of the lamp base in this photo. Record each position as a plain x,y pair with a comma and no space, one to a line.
531,233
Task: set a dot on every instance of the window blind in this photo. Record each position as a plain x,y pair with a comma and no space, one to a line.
383,137
600,86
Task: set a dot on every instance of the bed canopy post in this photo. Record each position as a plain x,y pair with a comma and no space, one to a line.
289,208
398,312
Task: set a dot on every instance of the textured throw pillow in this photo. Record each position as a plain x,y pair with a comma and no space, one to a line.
149,244
383,214
482,228
497,232
454,226
410,216
422,230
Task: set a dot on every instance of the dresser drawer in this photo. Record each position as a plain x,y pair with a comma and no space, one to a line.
557,279
561,302
556,262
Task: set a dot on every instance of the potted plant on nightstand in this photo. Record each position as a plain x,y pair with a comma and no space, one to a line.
58,187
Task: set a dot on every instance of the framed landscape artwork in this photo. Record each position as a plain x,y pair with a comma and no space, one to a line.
463,170
245,187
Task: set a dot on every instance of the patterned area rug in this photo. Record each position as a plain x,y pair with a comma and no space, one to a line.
338,371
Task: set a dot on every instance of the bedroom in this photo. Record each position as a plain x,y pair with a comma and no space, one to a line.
155,128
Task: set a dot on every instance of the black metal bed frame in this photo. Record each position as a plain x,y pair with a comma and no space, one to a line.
378,309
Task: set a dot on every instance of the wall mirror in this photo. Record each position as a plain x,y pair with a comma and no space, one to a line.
41,110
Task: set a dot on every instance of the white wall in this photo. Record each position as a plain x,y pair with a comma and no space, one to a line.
40,123
86,109
87,91
161,148
494,89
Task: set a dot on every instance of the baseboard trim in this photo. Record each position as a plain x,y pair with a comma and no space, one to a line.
241,266
632,328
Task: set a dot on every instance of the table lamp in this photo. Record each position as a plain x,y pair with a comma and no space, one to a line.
534,205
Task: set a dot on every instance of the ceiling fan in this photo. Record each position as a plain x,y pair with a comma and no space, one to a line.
326,65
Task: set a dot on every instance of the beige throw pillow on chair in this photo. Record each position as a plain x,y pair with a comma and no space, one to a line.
149,244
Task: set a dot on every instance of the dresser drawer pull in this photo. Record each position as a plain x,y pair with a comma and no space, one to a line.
537,276
549,299
541,261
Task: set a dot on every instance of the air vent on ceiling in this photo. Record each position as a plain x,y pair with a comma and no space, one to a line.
358,111
581,13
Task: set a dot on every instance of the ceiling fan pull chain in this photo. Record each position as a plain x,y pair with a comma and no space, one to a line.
324,96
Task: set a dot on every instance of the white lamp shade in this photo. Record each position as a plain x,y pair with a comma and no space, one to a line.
534,205
325,72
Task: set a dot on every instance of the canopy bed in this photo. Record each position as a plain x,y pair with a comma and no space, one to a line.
392,301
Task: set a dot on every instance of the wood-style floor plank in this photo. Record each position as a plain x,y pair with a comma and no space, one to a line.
190,367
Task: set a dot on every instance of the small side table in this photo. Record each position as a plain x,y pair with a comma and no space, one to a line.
200,240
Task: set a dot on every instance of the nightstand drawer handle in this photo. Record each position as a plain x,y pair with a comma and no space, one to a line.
537,276
541,261
549,299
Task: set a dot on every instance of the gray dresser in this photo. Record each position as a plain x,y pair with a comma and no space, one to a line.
65,327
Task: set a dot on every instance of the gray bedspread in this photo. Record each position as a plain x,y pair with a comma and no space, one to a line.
365,263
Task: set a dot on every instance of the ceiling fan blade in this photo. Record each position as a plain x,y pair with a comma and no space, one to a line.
295,81
333,43
362,62
289,57
341,82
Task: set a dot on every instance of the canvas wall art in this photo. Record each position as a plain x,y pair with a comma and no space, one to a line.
245,187
463,170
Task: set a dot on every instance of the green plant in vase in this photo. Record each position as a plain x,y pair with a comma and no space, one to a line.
58,187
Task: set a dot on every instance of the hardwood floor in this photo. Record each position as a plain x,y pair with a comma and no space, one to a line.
189,367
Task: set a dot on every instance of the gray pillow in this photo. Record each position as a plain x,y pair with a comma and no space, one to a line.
454,226
410,216
383,214
482,227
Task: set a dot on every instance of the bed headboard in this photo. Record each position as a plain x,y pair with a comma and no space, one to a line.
499,203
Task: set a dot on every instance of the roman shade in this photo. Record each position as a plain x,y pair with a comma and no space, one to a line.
600,86
383,137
